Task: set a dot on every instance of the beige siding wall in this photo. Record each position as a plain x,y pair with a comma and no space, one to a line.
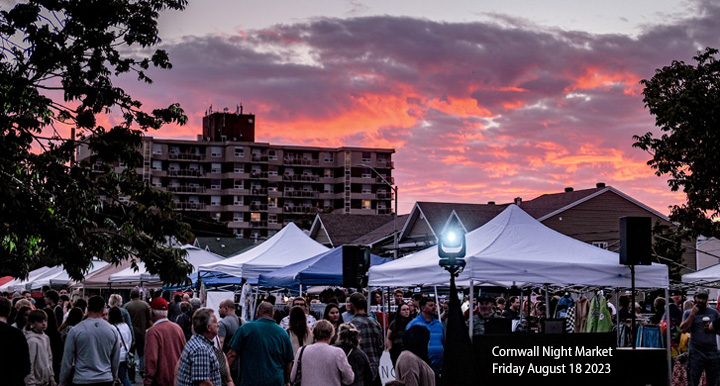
597,220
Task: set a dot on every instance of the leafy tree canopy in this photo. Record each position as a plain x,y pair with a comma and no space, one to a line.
58,60
685,100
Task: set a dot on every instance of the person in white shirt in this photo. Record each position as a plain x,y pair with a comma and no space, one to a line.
299,302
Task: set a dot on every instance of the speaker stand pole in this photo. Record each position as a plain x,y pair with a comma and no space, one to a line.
632,306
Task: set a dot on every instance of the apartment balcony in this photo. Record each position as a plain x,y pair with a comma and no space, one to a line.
328,196
301,161
384,211
259,158
258,191
363,195
158,172
385,196
186,173
274,177
186,205
274,209
385,164
274,226
389,179
301,177
274,193
237,207
186,189
259,207
300,193
186,156
236,192
258,224
258,175
300,209
237,175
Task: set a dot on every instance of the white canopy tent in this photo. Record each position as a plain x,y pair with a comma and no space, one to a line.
707,275
515,247
59,276
19,284
195,256
288,246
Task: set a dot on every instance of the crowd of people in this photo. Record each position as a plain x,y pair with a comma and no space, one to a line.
57,341
179,342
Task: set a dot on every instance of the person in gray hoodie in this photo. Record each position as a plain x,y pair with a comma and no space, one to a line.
92,348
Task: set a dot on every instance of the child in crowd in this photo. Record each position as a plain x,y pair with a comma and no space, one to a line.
41,369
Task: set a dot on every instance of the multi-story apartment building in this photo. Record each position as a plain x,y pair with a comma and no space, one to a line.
256,188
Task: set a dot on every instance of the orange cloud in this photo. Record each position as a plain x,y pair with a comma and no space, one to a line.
595,77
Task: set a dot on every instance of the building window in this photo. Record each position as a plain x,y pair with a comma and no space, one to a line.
272,155
238,184
366,189
215,168
366,156
328,173
157,165
239,168
328,188
366,173
600,244
157,148
254,217
366,204
215,184
239,151
272,219
237,217
237,200
216,151
215,200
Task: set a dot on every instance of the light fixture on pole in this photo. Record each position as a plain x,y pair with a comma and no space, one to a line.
394,189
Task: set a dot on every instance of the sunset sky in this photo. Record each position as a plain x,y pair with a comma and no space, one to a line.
482,100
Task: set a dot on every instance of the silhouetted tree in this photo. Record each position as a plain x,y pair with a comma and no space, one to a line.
57,65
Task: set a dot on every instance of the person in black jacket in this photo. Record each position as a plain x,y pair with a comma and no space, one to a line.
15,357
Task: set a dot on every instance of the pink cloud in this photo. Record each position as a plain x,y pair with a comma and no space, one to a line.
476,111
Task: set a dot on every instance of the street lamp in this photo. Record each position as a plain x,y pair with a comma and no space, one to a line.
395,191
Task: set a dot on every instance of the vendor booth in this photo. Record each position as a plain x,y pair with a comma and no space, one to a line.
288,246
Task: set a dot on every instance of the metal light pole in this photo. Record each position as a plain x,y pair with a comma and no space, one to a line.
395,191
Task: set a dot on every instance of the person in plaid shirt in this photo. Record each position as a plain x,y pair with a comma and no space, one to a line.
198,362
371,341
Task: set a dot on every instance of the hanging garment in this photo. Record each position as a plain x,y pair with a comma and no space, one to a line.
599,319
570,320
581,313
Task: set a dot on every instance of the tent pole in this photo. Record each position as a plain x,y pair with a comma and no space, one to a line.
547,301
668,336
300,290
437,302
617,315
471,309
257,294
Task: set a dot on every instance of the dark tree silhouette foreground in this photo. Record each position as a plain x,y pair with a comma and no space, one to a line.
58,62
685,100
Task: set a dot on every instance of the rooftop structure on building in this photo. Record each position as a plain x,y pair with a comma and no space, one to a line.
255,188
